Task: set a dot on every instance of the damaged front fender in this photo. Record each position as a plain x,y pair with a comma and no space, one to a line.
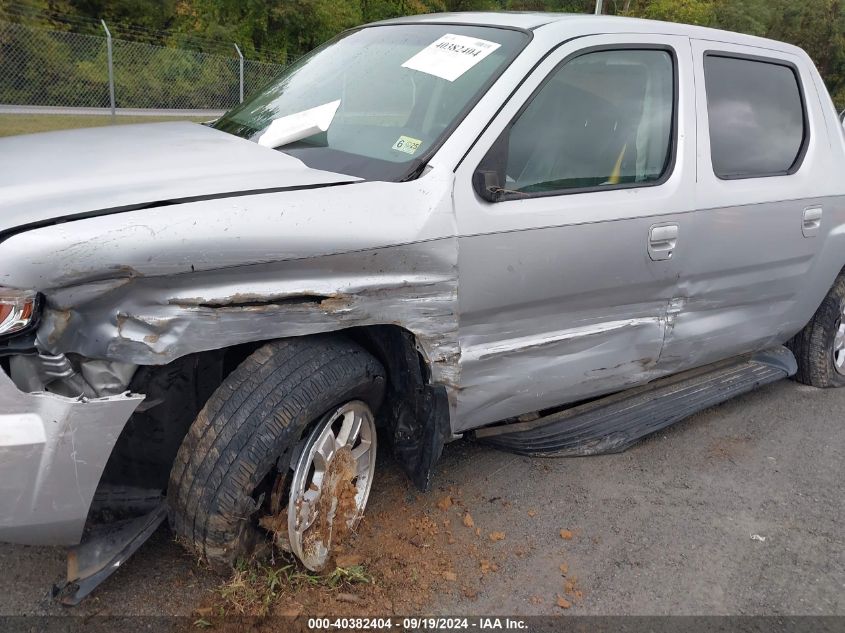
154,320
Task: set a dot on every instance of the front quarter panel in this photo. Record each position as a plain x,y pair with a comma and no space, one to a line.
150,286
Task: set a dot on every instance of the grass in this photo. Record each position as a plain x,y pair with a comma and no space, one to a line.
11,124
255,586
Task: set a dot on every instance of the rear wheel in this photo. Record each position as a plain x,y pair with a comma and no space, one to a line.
820,347
285,447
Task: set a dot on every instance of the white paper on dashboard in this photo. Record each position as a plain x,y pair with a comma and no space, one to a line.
451,56
300,125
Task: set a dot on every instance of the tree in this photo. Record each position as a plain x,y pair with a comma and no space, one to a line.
699,12
271,29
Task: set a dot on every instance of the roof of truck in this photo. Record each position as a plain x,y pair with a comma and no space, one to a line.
575,24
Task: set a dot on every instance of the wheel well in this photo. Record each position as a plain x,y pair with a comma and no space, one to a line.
414,415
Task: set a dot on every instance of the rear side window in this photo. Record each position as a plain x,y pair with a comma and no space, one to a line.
757,119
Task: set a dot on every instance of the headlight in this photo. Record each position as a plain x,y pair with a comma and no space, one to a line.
18,309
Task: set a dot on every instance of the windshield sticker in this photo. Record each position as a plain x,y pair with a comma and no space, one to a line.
451,56
407,144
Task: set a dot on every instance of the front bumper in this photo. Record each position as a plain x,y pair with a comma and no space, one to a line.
52,453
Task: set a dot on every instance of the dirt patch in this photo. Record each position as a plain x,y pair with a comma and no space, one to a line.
336,507
413,553
728,448
394,563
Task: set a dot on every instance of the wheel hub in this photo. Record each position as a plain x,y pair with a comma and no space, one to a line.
331,482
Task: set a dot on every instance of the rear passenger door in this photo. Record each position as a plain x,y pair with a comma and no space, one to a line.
754,237
566,279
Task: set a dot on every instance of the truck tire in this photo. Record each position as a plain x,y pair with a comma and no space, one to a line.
242,443
820,347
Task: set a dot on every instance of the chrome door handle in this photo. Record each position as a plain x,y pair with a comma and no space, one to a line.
811,221
662,240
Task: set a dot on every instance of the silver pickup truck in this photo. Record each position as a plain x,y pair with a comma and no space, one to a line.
553,234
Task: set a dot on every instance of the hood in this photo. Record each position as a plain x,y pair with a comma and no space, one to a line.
55,174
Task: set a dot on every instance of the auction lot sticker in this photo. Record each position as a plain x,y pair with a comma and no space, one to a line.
451,56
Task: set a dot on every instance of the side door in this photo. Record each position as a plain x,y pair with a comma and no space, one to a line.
571,240
763,155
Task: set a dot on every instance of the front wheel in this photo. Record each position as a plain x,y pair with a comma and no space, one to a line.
331,482
820,347
283,449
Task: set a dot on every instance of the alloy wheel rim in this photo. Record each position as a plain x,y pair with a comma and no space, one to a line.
331,482
839,341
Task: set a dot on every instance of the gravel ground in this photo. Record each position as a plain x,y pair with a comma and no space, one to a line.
664,528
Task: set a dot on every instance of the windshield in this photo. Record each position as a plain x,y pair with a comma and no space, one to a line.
376,102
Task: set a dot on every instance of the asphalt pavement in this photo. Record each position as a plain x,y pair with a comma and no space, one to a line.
737,510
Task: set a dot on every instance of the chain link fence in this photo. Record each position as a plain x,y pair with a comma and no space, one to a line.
58,68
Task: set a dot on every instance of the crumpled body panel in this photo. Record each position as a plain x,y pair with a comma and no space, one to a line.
153,320
52,453
149,286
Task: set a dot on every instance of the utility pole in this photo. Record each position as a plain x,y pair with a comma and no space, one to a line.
111,66
598,7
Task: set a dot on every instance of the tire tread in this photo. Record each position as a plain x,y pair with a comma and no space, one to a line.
260,410
812,345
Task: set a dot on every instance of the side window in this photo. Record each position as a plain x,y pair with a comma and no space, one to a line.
603,119
756,113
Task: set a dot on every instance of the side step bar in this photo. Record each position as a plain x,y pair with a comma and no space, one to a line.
615,422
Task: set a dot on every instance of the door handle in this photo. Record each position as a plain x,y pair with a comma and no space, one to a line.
662,240
811,221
